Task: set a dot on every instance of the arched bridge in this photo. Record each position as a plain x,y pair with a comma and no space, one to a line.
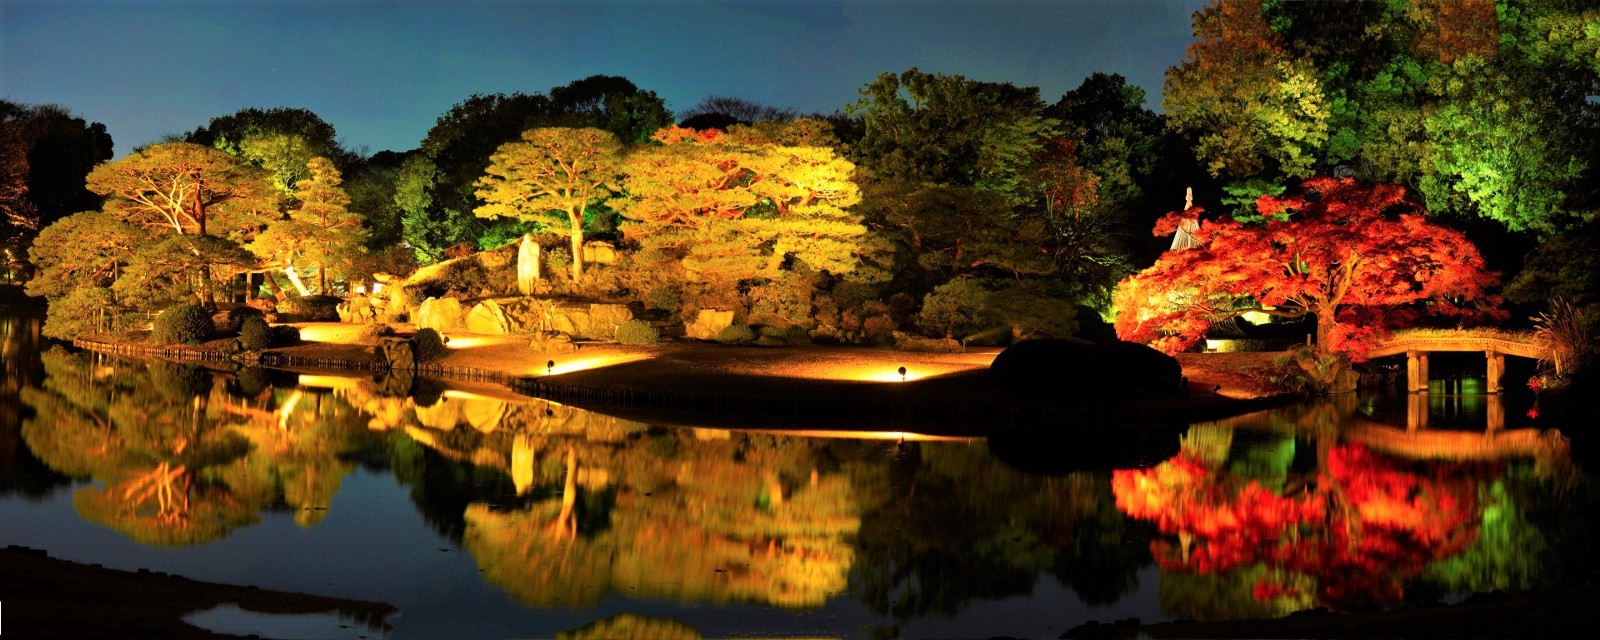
1495,346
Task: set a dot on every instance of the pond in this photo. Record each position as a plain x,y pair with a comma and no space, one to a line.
480,513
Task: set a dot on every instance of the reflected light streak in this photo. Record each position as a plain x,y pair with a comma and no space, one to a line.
288,407
328,382
903,436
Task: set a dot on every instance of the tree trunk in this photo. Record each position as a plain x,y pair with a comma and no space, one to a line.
577,244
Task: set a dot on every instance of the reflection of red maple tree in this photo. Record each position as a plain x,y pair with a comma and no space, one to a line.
1360,529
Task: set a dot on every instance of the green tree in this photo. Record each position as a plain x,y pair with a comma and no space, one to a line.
612,103
1254,110
299,134
928,127
553,173
321,230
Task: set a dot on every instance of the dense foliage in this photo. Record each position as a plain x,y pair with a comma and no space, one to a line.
182,324
1360,259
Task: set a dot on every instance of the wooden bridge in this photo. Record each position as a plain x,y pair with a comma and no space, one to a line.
1495,346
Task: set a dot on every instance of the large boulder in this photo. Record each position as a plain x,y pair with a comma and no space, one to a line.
597,321
439,314
1082,372
599,252
707,324
488,318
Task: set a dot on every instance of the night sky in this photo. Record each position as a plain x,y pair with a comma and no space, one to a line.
382,72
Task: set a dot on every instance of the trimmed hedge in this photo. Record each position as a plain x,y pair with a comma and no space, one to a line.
736,334
429,345
183,324
637,332
254,334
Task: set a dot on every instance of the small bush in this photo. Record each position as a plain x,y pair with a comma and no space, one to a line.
254,334
372,332
231,320
183,324
736,334
429,345
637,332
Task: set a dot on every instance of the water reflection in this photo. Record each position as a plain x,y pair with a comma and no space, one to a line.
1346,504
180,456
1322,506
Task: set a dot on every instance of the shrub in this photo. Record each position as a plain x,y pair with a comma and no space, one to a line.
254,334
428,345
637,332
736,334
372,332
231,320
185,324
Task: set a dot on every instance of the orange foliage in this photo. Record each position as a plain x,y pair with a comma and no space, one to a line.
676,134
1361,259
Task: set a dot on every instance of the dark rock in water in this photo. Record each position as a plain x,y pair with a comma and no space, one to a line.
1073,371
1058,452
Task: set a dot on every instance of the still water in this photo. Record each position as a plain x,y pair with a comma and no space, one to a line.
483,514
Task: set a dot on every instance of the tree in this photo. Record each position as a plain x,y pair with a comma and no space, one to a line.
722,112
45,152
726,212
321,230
928,127
1358,258
612,103
186,187
552,171
280,140
1119,140
1247,101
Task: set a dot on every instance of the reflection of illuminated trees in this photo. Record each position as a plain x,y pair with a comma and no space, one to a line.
177,458
955,525
1251,542
737,519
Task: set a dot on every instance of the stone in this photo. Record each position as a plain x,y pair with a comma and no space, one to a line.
598,321
599,252
552,342
527,265
707,324
1084,372
604,318
440,314
398,353
488,318
357,309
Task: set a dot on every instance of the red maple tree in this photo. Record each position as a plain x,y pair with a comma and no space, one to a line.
1361,259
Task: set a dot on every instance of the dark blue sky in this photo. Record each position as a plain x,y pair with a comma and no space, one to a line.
381,72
